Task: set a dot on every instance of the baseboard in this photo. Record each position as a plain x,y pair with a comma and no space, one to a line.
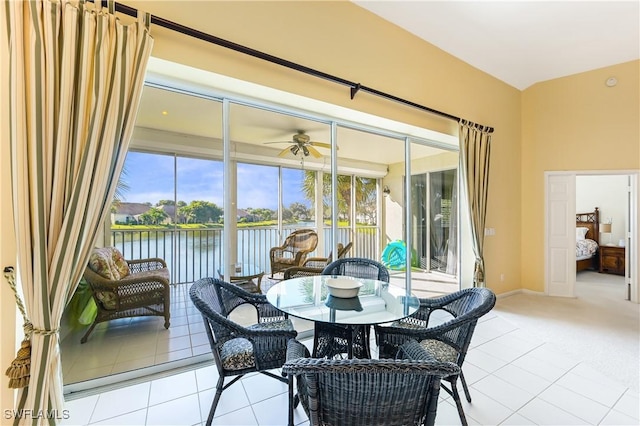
521,291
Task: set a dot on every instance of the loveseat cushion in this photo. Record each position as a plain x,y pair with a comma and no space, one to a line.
109,263
120,263
152,275
108,300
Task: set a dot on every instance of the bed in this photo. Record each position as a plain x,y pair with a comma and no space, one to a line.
587,240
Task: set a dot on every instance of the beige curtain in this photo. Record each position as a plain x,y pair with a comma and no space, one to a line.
475,144
76,76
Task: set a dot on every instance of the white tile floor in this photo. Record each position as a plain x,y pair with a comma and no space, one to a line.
514,380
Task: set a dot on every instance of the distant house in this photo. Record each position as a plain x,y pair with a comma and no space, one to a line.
128,212
170,211
241,213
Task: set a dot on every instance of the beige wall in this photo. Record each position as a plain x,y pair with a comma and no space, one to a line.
574,123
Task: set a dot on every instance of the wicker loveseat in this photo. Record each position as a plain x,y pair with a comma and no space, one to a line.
126,288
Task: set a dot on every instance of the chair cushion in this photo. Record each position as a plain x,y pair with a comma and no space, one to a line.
286,260
237,354
109,263
282,325
440,350
409,323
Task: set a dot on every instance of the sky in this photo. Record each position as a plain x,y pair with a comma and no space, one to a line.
150,178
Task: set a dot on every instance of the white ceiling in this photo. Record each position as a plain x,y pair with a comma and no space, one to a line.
523,42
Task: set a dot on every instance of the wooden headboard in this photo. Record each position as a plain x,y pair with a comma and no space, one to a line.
590,220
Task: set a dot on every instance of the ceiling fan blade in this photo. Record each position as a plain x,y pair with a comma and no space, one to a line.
320,144
268,143
314,151
284,152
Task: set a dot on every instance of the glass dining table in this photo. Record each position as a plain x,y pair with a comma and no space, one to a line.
350,319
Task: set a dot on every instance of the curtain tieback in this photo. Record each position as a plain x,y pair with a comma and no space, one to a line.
19,371
29,330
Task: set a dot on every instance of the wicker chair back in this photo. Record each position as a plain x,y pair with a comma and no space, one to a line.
358,267
365,391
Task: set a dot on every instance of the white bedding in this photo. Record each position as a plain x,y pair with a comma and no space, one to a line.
585,249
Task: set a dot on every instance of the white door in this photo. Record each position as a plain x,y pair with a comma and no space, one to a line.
631,252
560,234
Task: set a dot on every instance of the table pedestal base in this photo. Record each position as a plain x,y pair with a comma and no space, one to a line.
331,340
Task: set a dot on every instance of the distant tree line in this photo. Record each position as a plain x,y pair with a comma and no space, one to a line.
364,196
199,211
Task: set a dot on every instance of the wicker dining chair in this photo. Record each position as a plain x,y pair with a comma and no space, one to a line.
239,350
350,392
332,340
448,340
358,267
300,271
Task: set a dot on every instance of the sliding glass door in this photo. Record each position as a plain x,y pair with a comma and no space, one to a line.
434,205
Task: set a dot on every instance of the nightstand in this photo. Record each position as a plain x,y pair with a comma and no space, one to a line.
612,259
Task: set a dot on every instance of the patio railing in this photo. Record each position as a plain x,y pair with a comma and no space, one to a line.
195,253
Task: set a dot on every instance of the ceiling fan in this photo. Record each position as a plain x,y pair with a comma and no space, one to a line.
302,143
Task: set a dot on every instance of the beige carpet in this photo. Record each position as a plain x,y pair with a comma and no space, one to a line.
598,327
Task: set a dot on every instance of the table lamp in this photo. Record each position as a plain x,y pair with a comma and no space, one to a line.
605,228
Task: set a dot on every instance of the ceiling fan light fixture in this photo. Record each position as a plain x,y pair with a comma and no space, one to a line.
305,150
295,149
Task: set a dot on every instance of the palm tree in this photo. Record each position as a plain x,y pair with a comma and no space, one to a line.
365,194
121,188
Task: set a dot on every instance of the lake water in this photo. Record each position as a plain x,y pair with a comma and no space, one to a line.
193,254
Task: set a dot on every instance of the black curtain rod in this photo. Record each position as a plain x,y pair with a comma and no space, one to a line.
355,87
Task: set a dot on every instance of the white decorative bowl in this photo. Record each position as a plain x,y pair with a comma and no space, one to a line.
343,288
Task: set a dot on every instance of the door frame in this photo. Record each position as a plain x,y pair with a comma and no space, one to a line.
632,233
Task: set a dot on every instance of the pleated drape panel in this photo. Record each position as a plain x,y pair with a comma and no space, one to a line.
76,76
475,147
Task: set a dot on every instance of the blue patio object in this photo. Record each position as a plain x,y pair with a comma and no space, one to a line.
394,255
